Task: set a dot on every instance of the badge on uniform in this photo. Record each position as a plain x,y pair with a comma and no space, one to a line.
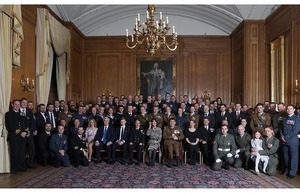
290,122
228,143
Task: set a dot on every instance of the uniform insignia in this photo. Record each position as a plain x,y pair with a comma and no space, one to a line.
290,122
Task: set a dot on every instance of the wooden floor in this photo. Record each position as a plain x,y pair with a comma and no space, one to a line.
8,180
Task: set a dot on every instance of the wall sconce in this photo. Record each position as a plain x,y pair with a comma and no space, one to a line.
26,85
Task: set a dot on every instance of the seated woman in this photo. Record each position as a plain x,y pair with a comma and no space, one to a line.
155,136
90,133
192,139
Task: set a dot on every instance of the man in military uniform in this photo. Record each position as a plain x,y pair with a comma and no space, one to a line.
224,149
136,141
290,142
144,117
167,115
18,129
158,117
270,147
260,119
173,136
242,154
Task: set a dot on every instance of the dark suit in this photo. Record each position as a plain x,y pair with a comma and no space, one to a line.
40,121
130,119
236,119
47,115
59,143
124,137
220,118
43,148
206,135
14,122
110,136
30,139
211,118
77,156
136,137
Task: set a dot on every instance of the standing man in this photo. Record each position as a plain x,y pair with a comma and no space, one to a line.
260,119
224,149
18,129
290,141
30,138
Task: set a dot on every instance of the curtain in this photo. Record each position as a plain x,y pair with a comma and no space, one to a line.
5,85
50,33
61,77
44,57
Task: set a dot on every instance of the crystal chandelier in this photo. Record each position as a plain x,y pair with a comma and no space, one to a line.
152,34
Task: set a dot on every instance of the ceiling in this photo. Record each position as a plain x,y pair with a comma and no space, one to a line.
112,20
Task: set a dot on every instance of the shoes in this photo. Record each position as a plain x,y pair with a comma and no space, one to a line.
138,163
112,162
98,161
130,163
169,164
14,172
290,176
76,166
257,172
246,168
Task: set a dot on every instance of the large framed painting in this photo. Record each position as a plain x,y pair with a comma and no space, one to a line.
156,76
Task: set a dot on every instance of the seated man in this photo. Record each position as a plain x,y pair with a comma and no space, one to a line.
78,149
59,147
242,154
104,139
136,141
270,147
122,139
173,136
223,149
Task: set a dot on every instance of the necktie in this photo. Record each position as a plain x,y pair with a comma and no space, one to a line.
52,120
121,133
238,115
104,135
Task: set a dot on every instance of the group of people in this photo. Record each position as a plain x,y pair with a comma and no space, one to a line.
113,128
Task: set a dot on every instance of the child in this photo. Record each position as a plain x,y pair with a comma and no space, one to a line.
256,142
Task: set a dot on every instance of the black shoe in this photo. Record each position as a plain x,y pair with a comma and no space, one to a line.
138,163
76,166
112,162
98,161
130,163
290,176
169,164
14,172
246,168
24,169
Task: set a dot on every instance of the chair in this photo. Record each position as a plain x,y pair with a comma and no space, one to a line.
200,157
158,151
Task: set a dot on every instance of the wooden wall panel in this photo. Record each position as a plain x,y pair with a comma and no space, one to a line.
198,59
27,54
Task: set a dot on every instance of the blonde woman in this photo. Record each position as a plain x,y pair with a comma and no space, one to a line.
90,133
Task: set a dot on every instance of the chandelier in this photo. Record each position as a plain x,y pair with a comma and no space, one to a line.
152,34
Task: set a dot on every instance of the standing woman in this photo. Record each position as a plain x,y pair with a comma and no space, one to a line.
90,133
192,138
155,135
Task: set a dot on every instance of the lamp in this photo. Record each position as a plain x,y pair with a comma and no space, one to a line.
152,34
26,85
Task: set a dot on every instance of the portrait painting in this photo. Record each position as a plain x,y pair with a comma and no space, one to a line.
156,76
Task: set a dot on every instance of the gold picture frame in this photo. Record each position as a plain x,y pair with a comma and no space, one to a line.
156,76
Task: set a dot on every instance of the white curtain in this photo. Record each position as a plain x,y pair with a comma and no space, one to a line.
50,31
11,36
5,82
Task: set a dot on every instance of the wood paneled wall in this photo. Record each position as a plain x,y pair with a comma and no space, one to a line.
286,21
202,64
28,52
235,68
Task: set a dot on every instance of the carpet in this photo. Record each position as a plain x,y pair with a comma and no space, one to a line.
142,176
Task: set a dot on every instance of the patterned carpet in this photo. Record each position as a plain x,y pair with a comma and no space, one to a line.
125,176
